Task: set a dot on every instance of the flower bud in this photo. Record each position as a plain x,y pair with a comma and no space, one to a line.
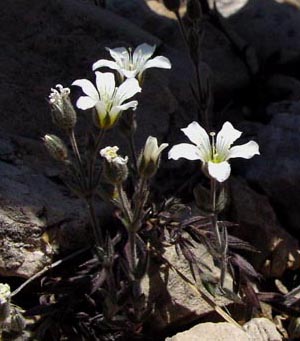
172,5
63,114
4,301
115,168
194,10
150,157
56,147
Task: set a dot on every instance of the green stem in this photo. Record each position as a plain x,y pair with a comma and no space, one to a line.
133,151
77,158
94,222
132,246
94,158
139,204
124,205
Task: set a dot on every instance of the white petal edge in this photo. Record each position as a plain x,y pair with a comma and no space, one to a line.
105,63
106,84
246,151
160,150
126,90
87,87
125,106
225,138
199,136
186,151
129,73
144,50
85,102
115,111
219,171
119,54
159,61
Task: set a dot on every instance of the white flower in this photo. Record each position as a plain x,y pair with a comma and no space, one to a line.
115,167
152,151
63,113
130,64
213,155
107,99
149,159
111,155
56,97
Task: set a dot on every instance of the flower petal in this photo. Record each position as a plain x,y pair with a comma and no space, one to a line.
142,53
219,171
246,151
225,138
126,90
120,55
159,61
199,136
186,151
105,63
101,109
85,102
129,73
160,149
88,88
125,106
105,84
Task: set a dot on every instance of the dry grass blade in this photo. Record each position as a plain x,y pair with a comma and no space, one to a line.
199,292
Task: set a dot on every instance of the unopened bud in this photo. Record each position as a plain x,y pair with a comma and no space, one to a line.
172,5
115,168
149,159
63,112
56,147
194,10
4,301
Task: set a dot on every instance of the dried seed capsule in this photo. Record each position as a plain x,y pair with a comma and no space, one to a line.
56,147
63,112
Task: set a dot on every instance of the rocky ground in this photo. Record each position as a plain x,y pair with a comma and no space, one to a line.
252,57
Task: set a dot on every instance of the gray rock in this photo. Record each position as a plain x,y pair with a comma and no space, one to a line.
262,329
276,171
259,225
35,211
257,329
211,332
175,301
270,27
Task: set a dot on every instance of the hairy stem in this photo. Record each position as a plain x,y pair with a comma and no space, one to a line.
92,169
94,221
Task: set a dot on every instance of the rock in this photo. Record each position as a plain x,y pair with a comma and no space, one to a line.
258,329
258,224
34,210
209,331
229,73
262,329
228,7
175,302
273,29
276,171
58,41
